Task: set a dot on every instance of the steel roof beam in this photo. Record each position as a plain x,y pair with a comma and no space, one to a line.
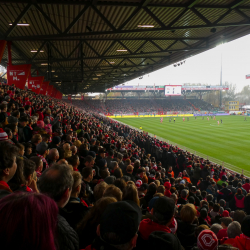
18,19
151,14
24,38
51,37
103,18
236,3
48,19
72,52
130,4
156,45
76,19
204,19
36,54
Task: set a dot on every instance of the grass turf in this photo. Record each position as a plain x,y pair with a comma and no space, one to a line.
228,142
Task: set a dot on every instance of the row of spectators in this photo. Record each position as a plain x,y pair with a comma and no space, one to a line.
73,179
123,106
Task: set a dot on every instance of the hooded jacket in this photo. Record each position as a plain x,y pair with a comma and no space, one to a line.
242,242
147,226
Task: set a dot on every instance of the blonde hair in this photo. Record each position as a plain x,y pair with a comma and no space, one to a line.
77,179
188,213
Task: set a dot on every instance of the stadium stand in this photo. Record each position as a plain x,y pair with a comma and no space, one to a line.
73,179
132,106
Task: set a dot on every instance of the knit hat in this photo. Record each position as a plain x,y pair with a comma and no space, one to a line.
207,240
12,119
225,213
138,183
167,185
3,135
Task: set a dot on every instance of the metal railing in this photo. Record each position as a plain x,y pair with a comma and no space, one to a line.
225,165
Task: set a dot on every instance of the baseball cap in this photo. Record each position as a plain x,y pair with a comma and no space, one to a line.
152,202
92,153
207,240
23,118
56,139
165,207
123,219
12,119
41,147
161,241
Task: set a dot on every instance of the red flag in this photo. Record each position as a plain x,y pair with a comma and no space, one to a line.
82,97
2,48
54,92
35,83
49,90
18,75
44,88
69,97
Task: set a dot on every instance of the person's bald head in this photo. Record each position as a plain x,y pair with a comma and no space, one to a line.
63,161
73,149
53,154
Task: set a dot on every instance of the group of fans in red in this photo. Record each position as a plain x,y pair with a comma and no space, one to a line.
73,179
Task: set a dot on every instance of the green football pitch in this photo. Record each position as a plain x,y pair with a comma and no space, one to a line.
228,142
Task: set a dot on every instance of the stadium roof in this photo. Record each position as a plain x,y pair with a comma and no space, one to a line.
81,39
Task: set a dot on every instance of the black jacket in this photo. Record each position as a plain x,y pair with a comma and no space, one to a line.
197,200
74,212
186,234
89,192
66,237
132,177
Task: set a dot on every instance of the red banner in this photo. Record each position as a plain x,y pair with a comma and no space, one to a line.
58,95
18,75
49,90
82,97
44,88
35,83
54,92
69,97
2,48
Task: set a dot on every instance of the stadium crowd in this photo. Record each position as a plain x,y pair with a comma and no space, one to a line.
72,179
150,105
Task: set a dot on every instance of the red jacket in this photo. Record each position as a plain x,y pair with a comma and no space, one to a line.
148,226
222,233
246,186
242,242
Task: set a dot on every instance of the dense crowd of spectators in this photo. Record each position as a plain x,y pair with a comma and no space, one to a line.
134,106
72,179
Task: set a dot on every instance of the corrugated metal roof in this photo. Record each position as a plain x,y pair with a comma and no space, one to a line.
181,28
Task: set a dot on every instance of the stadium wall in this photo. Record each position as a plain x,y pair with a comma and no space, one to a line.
143,116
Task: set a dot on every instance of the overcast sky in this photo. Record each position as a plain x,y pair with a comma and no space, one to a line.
205,67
